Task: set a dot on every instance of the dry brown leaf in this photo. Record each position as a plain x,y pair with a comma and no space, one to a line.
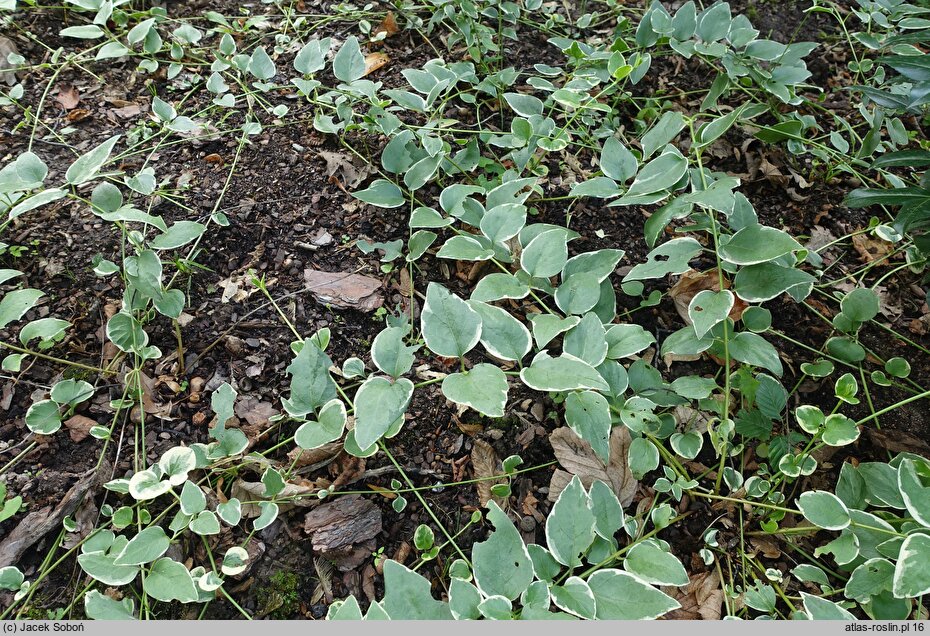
340,289
701,599
693,282
577,458
766,546
79,427
870,249
67,96
352,171
486,463
7,70
375,61
316,457
388,26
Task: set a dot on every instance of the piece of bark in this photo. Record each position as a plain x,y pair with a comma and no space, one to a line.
345,290
36,524
342,523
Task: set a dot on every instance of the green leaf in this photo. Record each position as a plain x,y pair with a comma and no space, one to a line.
578,294
205,524
71,392
622,596
501,564
349,64
11,578
660,174
329,428
643,456
146,484
655,564
169,580
46,329
312,56
524,105
100,607
671,257
178,235
664,130
839,430
83,32
824,510
869,579
860,305
587,340
913,475
498,286
502,335
390,354
708,309
311,384
347,610
193,501
88,165
451,328
608,514
753,349
145,547
43,198
565,373
626,340
588,414
378,404
100,567
598,264
261,65
765,281
911,576
230,511
546,254
575,597
15,304
820,609
269,512
483,388
381,193
503,222
548,326
758,244
570,524
712,130
616,161
43,417
465,248
464,599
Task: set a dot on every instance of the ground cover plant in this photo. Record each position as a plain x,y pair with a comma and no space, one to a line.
464,309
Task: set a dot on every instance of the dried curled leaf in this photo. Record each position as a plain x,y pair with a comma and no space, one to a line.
701,599
486,463
578,458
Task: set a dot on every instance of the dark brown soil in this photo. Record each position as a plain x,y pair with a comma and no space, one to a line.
281,197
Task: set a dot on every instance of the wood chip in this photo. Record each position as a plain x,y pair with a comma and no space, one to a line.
341,289
342,523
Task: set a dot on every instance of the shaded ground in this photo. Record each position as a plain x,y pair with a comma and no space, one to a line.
280,200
